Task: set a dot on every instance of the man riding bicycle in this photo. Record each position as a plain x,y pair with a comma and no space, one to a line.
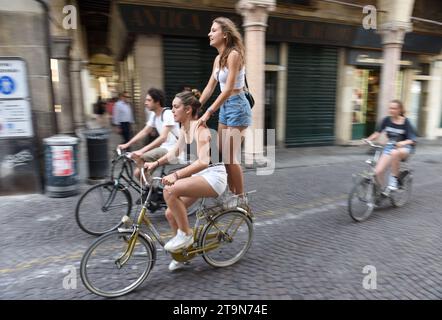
402,139
162,120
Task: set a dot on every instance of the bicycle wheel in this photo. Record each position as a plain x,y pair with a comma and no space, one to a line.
361,200
100,209
226,238
401,196
99,269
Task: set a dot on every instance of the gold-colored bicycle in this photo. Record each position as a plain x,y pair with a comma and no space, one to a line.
119,261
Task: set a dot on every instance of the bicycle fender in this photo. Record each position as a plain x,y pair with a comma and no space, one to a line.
151,243
237,209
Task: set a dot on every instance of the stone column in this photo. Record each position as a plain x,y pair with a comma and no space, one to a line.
282,95
77,94
79,56
392,39
255,14
394,24
343,122
62,87
434,101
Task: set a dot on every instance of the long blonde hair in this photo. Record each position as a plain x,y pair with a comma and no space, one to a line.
233,40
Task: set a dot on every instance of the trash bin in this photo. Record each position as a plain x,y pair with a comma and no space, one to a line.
61,166
97,151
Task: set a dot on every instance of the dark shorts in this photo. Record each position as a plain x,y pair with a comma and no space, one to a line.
390,147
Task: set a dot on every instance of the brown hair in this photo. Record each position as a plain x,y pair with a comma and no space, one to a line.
233,40
190,98
401,106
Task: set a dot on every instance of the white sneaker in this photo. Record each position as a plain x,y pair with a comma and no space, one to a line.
228,199
175,265
222,197
180,241
393,184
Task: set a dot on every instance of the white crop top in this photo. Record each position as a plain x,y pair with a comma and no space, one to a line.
221,76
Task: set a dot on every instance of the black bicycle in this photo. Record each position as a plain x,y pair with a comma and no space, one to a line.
100,209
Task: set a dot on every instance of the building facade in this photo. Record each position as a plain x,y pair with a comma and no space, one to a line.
322,70
318,73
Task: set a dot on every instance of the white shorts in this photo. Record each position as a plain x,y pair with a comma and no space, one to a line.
216,176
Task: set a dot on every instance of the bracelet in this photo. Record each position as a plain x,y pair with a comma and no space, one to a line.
210,110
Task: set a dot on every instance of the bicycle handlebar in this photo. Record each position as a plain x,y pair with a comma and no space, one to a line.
125,154
151,179
372,144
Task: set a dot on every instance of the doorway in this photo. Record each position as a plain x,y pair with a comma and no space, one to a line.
271,78
364,102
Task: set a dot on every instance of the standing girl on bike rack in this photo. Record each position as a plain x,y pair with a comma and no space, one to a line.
235,110
200,179
401,141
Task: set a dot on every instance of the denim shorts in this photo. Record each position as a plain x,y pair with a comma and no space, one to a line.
236,111
390,147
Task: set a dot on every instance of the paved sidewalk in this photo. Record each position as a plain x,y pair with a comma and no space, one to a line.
305,244
288,157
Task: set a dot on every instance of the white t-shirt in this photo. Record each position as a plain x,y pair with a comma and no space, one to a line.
168,120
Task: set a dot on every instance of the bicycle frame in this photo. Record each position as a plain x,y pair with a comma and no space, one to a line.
185,254
371,174
128,178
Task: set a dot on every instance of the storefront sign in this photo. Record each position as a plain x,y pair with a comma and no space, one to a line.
196,23
374,58
171,21
176,21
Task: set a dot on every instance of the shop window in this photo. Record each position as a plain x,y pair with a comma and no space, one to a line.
272,54
364,101
359,96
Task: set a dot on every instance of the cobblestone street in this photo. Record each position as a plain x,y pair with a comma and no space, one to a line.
305,245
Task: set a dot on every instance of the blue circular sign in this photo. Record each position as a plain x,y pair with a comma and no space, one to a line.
7,85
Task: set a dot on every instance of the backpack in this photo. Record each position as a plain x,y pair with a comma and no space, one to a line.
162,119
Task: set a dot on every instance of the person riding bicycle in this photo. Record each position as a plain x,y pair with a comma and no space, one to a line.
200,179
162,120
401,142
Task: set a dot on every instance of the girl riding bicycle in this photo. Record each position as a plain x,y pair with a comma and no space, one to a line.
200,179
401,141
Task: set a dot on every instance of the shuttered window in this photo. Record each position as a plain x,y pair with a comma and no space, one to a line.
311,95
188,63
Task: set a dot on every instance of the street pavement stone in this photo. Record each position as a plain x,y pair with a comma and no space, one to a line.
305,244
